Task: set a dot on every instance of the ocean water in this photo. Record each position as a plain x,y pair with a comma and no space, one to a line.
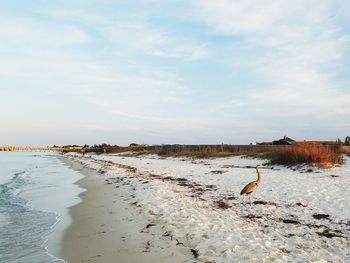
36,191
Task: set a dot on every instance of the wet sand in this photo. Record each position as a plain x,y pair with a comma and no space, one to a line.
107,228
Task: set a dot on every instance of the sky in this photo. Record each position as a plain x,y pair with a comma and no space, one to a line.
161,71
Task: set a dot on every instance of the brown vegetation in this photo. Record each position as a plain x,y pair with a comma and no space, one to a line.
222,204
306,153
209,151
195,154
320,156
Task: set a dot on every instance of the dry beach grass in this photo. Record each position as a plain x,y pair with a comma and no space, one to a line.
321,156
312,154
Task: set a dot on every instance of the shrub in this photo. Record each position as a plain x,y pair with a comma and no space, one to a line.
198,151
320,156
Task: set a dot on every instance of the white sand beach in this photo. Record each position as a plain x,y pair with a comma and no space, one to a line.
148,208
108,227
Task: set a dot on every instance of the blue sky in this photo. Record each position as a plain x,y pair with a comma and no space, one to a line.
158,71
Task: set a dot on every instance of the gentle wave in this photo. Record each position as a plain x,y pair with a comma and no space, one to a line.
10,190
23,228
29,211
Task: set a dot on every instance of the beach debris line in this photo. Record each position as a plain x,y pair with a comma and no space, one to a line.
195,253
262,202
196,188
290,221
253,216
150,225
222,204
331,233
320,216
218,171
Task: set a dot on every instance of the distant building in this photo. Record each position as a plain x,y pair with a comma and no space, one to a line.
347,140
288,141
284,141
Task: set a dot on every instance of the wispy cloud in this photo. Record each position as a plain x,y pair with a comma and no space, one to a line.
296,46
134,33
203,71
27,34
49,59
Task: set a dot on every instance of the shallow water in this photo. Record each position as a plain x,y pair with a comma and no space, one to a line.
36,190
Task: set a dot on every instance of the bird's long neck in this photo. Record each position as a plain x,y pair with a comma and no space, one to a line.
257,171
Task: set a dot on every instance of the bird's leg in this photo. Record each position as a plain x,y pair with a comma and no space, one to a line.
243,199
246,199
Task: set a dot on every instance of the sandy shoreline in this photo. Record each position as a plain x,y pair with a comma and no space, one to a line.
149,208
108,228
